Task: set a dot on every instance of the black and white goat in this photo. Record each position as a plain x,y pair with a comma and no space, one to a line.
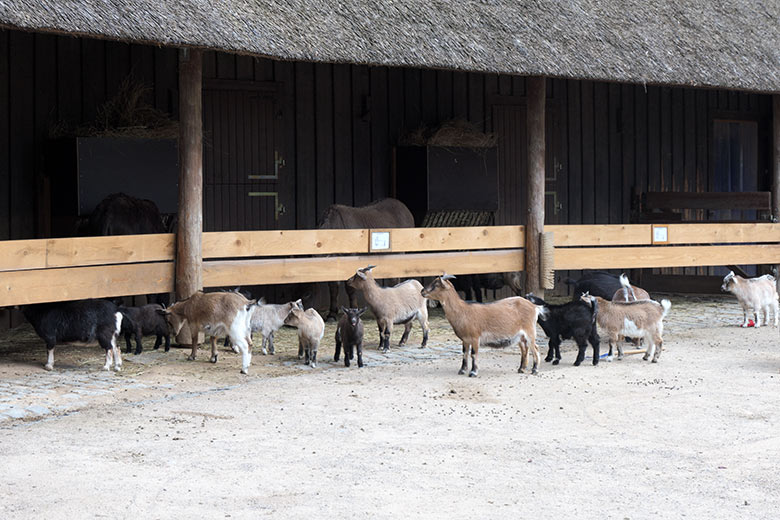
83,321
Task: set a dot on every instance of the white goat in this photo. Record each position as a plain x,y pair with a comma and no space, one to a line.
754,294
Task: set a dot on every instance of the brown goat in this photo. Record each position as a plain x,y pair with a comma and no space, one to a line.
217,314
392,305
637,319
501,323
628,292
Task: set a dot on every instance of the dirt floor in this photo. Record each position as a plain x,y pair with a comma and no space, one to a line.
696,435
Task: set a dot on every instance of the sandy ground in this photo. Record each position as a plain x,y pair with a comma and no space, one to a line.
696,435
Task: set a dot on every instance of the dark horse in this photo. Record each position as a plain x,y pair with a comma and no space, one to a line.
383,213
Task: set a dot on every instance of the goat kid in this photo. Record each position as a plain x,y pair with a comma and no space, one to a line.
754,294
571,320
638,319
216,314
507,322
395,305
349,332
311,329
144,321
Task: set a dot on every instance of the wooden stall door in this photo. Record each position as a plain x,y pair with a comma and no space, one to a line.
242,161
509,125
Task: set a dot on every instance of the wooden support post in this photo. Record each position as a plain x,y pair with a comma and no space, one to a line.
535,115
776,166
189,259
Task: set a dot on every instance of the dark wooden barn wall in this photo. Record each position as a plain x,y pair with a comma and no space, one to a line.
48,81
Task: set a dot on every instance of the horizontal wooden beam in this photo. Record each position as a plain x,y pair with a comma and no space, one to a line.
299,270
231,244
22,254
713,233
601,235
119,249
664,256
75,283
457,238
760,200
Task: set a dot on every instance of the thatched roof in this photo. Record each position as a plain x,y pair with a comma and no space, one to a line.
726,43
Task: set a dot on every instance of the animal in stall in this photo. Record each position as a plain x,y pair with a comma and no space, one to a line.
82,321
506,322
216,314
349,333
640,318
395,305
144,321
311,329
571,320
383,213
595,283
753,294
472,284
122,214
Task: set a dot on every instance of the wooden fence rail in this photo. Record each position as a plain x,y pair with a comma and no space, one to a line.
72,268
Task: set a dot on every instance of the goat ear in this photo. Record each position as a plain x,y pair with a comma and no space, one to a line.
163,312
361,311
343,309
367,268
361,274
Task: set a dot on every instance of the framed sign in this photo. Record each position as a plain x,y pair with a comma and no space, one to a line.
380,241
660,234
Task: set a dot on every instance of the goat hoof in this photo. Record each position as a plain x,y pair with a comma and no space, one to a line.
595,361
48,367
520,370
137,352
167,349
245,371
190,358
645,357
214,358
314,365
472,374
654,360
118,368
576,363
461,372
534,372
156,347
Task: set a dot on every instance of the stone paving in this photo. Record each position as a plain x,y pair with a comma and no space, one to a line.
40,394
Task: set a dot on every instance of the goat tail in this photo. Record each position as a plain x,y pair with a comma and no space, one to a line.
595,311
666,304
624,280
118,319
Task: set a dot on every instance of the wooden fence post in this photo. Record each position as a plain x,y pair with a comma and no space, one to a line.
189,258
535,114
776,163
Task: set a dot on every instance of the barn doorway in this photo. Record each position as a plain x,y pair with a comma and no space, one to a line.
242,158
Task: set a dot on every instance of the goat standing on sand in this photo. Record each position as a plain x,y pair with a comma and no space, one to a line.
395,305
310,327
83,321
501,323
754,294
217,314
575,320
350,333
637,319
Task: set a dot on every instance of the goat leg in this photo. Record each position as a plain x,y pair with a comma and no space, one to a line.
465,363
582,346
594,343
338,351
271,343
138,338
214,349
359,348
333,309
407,329
474,352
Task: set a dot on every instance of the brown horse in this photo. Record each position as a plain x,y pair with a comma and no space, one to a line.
383,213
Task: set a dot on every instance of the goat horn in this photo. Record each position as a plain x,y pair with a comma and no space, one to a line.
367,268
446,276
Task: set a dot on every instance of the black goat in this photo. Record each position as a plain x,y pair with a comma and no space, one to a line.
82,321
350,333
595,283
575,320
144,321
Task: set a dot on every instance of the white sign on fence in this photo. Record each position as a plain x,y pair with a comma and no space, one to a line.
380,240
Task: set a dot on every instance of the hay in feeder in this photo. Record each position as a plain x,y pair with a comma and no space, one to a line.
455,132
126,114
